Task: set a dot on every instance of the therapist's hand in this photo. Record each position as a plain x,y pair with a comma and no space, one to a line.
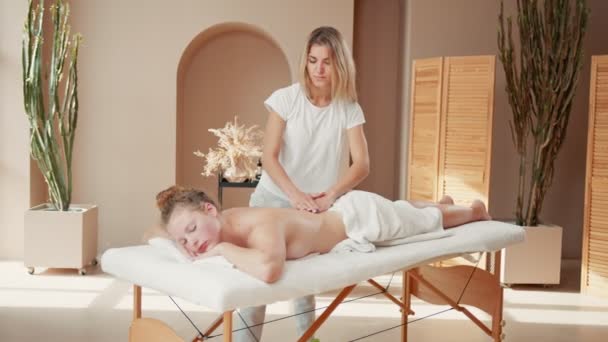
303,201
325,201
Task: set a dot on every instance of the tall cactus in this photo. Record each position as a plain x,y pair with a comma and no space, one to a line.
52,122
540,88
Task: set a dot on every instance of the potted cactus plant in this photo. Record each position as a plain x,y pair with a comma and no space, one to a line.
540,85
56,234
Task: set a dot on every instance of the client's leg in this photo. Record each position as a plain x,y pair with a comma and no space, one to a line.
446,199
251,329
455,215
423,204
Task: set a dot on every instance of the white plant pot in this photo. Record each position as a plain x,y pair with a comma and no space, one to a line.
60,239
537,260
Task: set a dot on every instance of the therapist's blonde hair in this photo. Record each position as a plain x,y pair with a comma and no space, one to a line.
178,196
343,85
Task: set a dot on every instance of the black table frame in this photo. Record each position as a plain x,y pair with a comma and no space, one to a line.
223,183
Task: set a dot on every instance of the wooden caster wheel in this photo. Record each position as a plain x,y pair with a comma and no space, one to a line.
30,270
94,262
82,271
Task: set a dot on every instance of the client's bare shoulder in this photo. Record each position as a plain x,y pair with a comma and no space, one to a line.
264,229
246,219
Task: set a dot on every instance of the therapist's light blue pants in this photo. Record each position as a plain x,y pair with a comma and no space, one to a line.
254,316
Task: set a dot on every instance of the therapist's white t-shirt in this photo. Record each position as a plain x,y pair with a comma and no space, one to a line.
314,151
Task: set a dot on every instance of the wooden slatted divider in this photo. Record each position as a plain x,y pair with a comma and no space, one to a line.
425,112
594,274
466,128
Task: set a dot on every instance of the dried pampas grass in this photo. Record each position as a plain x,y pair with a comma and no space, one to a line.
237,154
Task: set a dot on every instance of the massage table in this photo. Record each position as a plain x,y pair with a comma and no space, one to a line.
222,288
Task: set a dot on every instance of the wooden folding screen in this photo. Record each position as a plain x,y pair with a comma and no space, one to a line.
425,113
466,128
594,274
452,103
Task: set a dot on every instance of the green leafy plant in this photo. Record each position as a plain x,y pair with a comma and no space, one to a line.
51,101
540,87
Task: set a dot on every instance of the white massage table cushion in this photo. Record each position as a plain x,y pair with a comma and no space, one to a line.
170,248
218,286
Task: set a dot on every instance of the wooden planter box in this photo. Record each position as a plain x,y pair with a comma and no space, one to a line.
537,260
60,239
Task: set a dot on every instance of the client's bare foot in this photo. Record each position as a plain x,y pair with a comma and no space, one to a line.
446,200
480,211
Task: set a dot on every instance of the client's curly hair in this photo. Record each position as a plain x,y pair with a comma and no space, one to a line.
174,196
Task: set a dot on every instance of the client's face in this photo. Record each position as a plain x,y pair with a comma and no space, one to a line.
196,230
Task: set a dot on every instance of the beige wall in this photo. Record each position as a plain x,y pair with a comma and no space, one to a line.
468,27
129,89
223,79
565,199
377,53
126,140
14,158
459,28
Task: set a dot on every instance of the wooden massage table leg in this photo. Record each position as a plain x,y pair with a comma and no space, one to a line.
319,321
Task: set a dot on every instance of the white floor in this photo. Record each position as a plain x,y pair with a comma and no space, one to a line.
58,305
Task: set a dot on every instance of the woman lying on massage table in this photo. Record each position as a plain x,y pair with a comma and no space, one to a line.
259,240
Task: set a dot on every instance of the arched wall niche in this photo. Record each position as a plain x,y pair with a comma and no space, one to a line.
229,69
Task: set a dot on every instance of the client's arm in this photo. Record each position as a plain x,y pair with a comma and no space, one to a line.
265,257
